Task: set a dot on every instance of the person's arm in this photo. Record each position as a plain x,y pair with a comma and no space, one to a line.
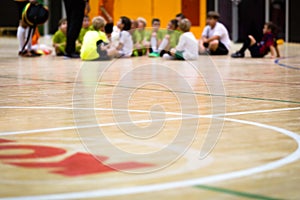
215,37
181,43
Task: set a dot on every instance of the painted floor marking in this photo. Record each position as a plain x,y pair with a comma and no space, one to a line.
188,116
294,156
234,192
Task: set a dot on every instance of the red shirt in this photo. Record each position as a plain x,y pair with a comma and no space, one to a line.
266,42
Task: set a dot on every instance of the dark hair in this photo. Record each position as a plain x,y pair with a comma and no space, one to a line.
174,22
180,15
213,14
126,22
63,20
273,27
155,20
109,28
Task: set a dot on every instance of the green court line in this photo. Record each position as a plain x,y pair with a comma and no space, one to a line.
214,95
235,193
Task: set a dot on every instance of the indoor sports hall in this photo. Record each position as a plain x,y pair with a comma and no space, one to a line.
215,127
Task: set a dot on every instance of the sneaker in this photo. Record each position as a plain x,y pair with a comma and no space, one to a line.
71,55
34,53
168,57
238,55
154,55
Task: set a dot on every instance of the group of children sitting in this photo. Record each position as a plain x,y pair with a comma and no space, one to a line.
103,41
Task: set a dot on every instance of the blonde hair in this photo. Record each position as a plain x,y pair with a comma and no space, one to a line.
143,20
98,22
185,25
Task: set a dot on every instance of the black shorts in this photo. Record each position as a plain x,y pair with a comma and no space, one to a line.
221,50
255,51
21,5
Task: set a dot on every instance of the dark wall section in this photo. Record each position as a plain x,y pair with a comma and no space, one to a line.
294,16
225,10
9,14
210,5
251,19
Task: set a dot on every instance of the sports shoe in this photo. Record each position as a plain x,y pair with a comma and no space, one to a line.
71,55
238,55
154,55
168,57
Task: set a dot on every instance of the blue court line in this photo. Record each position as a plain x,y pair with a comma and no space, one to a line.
277,61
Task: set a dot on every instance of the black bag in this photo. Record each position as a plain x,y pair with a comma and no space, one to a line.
33,15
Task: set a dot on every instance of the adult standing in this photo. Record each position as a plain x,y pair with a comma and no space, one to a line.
75,10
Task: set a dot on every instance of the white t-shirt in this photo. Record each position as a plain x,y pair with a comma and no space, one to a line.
219,30
126,40
189,45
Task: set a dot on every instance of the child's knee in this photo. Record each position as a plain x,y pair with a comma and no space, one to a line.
213,45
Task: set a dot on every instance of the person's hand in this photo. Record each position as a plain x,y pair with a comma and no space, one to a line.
173,51
205,40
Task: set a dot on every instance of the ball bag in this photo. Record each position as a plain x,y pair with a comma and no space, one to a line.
35,14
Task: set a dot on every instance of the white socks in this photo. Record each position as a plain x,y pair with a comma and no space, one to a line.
163,44
21,37
153,42
22,34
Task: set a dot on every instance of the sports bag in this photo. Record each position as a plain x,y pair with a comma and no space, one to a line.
35,14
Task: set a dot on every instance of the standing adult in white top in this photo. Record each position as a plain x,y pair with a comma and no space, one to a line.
215,38
187,47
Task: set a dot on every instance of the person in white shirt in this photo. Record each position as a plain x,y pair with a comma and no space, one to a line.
125,46
187,48
215,38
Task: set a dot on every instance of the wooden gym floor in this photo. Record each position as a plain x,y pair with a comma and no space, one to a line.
141,128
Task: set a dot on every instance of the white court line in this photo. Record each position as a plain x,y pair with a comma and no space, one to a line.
189,116
92,126
258,111
96,109
185,183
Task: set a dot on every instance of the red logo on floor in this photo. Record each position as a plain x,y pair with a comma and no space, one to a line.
78,164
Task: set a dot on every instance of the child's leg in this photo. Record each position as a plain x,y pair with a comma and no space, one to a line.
29,44
21,35
164,44
250,41
213,45
153,42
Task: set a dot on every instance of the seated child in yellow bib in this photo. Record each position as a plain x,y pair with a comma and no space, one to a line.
89,44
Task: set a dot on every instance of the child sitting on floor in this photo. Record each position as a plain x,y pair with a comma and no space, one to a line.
89,44
156,37
262,48
60,38
125,46
187,48
140,37
170,39
85,28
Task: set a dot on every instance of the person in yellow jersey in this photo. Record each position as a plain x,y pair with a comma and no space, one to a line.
89,43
